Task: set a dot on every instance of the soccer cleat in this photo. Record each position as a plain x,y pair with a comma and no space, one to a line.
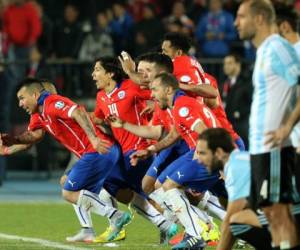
205,230
190,243
176,239
166,236
84,235
118,223
241,244
214,233
103,238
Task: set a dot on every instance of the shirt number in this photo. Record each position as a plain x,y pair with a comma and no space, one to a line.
113,109
210,116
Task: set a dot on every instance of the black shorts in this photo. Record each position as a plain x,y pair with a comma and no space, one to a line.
297,171
271,177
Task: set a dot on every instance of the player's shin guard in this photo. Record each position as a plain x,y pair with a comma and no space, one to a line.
258,237
109,200
182,208
149,212
212,205
90,201
83,216
158,196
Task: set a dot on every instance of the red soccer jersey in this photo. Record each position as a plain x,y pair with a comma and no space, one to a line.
35,122
162,117
219,110
124,101
56,119
187,112
188,70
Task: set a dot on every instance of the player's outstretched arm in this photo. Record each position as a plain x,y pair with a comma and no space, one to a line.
148,132
27,137
167,141
13,149
204,90
84,121
227,239
129,67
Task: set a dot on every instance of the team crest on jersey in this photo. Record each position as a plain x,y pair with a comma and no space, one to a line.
59,104
183,112
185,78
121,94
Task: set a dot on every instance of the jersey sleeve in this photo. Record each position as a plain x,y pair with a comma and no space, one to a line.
188,112
237,180
98,111
285,62
34,123
60,107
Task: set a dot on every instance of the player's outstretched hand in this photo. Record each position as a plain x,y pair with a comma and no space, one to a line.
127,63
7,140
100,146
115,121
276,137
140,154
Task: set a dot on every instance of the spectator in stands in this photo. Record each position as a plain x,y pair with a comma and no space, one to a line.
22,25
45,40
68,34
179,15
122,27
237,95
196,10
215,31
144,30
98,42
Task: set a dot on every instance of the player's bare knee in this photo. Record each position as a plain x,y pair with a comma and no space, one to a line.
148,184
62,180
157,184
169,184
70,196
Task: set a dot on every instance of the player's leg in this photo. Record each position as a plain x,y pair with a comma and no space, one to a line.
246,226
271,189
86,175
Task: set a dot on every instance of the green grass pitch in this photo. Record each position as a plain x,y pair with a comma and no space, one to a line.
55,221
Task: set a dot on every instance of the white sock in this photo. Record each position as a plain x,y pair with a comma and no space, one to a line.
182,208
90,201
158,196
144,208
83,216
201,214
215,208
108,200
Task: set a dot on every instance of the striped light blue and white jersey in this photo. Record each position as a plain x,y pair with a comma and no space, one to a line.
295,135
237,175
275,76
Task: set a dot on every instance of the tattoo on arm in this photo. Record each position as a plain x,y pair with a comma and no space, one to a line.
29,137
171,138
84,121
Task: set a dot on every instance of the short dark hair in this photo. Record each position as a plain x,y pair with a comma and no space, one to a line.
217,138
285,14
178,41
31,84
236,57
161,60
264,8
112,65
167,80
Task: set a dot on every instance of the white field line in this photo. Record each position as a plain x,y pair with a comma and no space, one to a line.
46,243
